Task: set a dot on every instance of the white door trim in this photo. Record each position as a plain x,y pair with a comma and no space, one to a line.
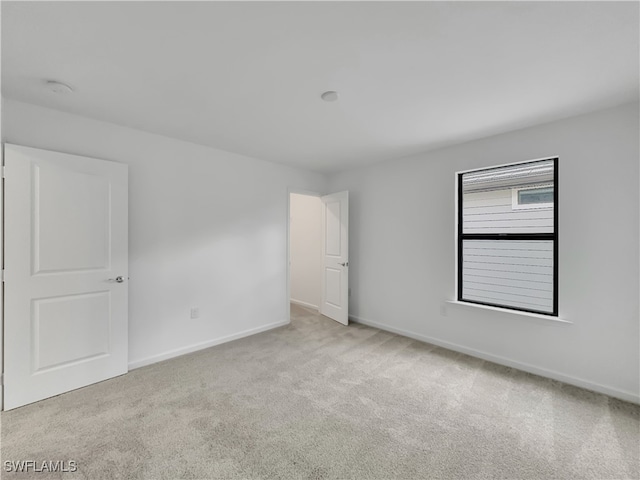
2,272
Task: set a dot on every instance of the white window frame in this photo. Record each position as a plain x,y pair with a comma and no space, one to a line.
528,206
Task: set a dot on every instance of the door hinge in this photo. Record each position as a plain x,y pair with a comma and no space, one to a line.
2,275
4,172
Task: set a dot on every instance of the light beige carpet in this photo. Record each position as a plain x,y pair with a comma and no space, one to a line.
319,400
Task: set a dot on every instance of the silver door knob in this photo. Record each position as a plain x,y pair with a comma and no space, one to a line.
118,279
345,264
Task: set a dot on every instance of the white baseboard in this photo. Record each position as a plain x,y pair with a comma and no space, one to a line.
305,304
202,345
543,372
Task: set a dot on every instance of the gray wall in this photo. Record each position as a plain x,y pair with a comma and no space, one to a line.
402,265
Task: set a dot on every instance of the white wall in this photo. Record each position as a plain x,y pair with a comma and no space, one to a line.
207,228
306,250
402,263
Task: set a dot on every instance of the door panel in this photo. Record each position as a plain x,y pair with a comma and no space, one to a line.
86,315
332,286
71,220
335,255
333,229
66,241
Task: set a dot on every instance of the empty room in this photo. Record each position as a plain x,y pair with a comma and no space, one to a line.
323,240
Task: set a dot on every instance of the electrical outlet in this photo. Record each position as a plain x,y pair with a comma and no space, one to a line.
443,309
195,312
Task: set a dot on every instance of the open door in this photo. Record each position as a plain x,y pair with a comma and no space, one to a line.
65,310
335,257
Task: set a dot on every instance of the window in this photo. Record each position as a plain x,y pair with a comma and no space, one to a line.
508,236
539,196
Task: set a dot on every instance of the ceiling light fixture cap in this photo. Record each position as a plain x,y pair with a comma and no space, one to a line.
329,96
59,87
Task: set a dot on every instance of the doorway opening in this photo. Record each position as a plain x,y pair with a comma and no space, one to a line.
318,253
305,250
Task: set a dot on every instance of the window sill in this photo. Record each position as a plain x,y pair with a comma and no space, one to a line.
511,312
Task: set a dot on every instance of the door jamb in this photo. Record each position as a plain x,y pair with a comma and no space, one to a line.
2,181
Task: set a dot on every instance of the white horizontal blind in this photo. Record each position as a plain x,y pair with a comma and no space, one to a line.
511,273
509,176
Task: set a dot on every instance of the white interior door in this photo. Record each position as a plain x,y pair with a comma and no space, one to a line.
335,257
66,248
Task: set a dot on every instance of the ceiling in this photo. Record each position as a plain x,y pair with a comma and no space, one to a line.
247,76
